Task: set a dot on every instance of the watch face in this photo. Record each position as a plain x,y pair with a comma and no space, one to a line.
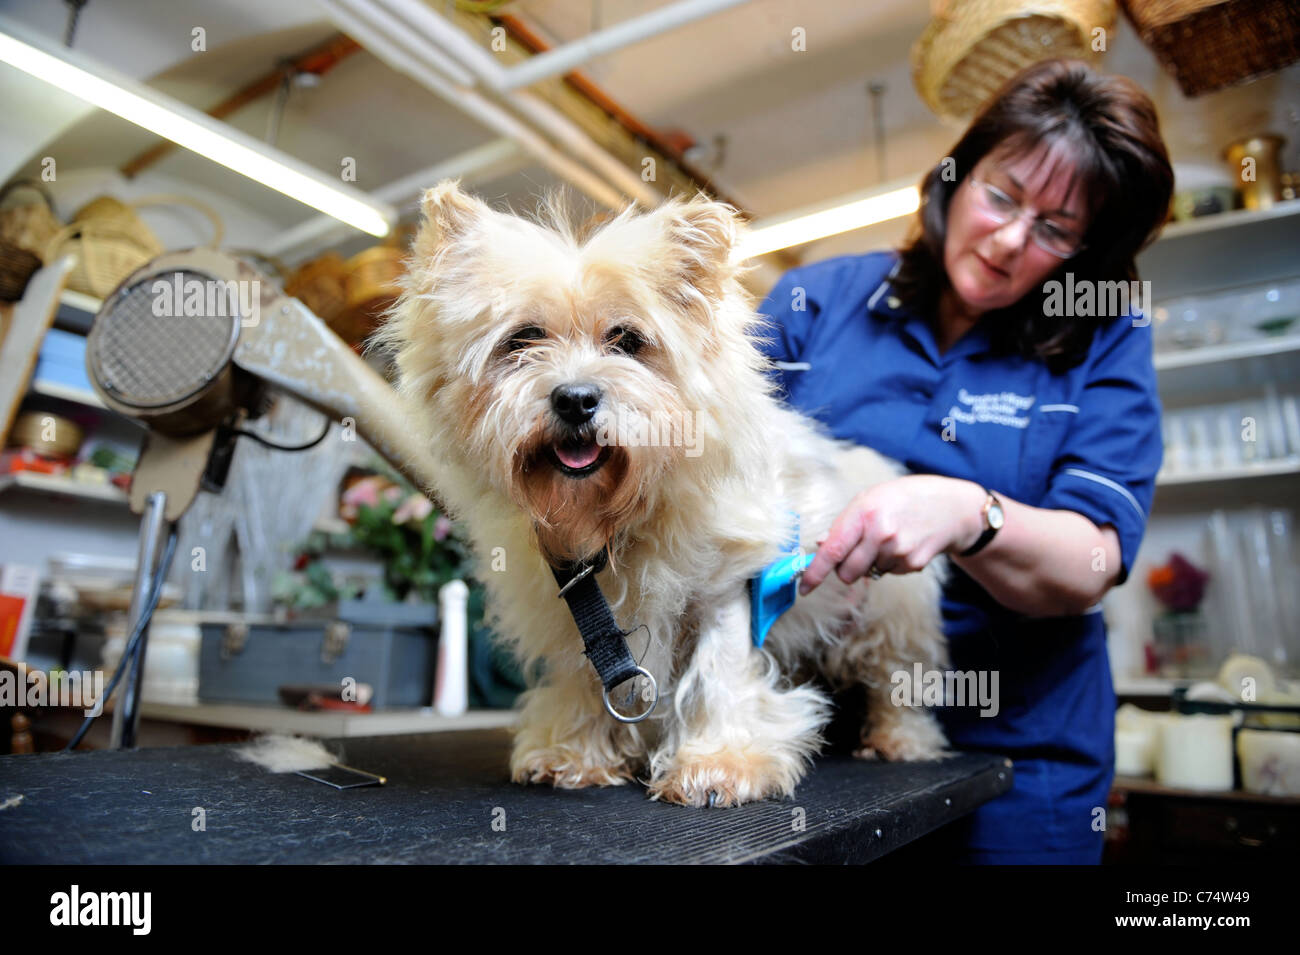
995,516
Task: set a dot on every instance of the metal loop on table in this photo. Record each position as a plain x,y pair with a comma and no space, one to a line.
654,686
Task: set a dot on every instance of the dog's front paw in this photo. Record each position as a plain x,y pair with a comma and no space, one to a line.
565,768
727,777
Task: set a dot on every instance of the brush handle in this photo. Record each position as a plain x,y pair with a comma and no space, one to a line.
790,567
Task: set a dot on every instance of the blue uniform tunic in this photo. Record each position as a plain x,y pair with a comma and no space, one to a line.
1086,440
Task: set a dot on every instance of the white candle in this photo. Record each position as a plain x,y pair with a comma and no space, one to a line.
1135,750
451,682
1270,762
1195,752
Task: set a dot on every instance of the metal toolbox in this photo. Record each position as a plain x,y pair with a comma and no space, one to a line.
391,647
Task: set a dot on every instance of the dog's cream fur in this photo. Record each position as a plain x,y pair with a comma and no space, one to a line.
685,530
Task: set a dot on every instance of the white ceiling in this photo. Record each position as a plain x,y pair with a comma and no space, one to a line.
797,123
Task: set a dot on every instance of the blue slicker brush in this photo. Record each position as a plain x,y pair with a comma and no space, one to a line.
774,590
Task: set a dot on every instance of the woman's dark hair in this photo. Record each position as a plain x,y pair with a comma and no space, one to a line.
1107,128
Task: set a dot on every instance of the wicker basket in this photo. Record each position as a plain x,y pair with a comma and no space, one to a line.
109,241
373,284
970,48
29,431
318,284
106,209
25,230
28,225
17,266
1210,44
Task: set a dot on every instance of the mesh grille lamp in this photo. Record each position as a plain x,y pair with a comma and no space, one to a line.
190,367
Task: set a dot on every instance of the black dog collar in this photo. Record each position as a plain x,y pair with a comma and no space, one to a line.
606,644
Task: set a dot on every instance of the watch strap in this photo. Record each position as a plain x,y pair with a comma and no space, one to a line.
989,531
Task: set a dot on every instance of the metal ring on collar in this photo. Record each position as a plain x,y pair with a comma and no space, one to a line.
874,573
576,577
654,686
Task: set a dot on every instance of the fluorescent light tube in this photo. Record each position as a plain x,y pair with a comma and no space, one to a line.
192,129
843,217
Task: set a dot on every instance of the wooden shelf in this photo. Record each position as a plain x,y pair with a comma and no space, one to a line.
57,484
1235,219
53,389
81,302
1230,250
1148,686
282,719
1231,351
1286,466
1145,785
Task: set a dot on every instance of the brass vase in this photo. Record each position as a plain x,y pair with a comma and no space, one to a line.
1264,186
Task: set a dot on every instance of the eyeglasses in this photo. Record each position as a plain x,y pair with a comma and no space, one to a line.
1047,235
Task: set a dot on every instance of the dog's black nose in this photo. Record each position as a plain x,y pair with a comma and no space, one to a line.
575,404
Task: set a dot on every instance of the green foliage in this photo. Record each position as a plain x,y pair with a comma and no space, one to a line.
420,553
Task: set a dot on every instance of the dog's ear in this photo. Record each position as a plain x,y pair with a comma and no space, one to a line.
703,232
449,213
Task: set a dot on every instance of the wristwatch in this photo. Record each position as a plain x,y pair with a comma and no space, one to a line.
993,519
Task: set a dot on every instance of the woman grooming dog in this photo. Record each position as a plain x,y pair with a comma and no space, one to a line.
1003,357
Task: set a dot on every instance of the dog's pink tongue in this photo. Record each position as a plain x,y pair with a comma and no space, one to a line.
578,457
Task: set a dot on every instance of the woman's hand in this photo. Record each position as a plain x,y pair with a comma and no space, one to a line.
899,527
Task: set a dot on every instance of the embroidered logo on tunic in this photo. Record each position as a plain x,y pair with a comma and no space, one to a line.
997,407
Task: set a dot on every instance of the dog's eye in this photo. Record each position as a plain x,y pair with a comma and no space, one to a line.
625,340
524,337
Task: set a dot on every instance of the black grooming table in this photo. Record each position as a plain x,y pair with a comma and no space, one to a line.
444,793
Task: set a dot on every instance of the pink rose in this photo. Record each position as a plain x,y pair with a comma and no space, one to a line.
415,508
364,492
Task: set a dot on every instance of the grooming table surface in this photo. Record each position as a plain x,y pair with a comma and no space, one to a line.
444,792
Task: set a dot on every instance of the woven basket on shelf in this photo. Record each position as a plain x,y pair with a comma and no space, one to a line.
31,224
318,284
25,231
1210,44
109,209
970,48
351,296
109,241
17,266
373,284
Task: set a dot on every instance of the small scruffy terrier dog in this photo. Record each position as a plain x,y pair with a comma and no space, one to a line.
545,363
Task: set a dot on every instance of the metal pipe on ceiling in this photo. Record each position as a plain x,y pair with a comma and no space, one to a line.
411,19
356,18
564,58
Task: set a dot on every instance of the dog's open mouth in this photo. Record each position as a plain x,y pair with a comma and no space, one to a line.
578,458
